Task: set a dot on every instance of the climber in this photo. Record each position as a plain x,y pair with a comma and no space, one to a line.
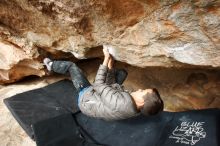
105,98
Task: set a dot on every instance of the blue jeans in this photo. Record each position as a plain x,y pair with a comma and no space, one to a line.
79,80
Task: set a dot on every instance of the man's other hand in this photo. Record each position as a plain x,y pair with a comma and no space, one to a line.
111,62
105,51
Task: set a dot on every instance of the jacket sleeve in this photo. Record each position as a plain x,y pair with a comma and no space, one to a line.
110,78
101,75
111,97
104,75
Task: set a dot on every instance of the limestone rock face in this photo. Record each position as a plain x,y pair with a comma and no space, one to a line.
152,33
17,58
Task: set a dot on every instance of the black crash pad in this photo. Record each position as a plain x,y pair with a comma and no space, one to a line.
199,128
37,108
60,131
43,103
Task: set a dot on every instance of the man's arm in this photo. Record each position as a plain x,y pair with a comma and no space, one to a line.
110,78
103,69
111,63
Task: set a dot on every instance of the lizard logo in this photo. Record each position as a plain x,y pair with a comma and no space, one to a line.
188,133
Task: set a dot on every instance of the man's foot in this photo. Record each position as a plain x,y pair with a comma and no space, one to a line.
48,62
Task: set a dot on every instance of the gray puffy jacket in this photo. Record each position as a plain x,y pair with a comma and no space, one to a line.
106,100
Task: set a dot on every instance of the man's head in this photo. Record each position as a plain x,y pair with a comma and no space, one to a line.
148,101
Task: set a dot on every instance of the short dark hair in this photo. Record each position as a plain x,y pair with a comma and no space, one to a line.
153,103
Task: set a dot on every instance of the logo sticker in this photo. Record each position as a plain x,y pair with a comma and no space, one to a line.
189,133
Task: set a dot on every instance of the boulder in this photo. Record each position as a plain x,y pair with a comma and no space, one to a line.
143,33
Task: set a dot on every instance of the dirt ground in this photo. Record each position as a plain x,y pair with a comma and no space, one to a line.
11,134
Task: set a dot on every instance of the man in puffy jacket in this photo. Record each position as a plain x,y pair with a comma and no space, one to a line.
105,98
